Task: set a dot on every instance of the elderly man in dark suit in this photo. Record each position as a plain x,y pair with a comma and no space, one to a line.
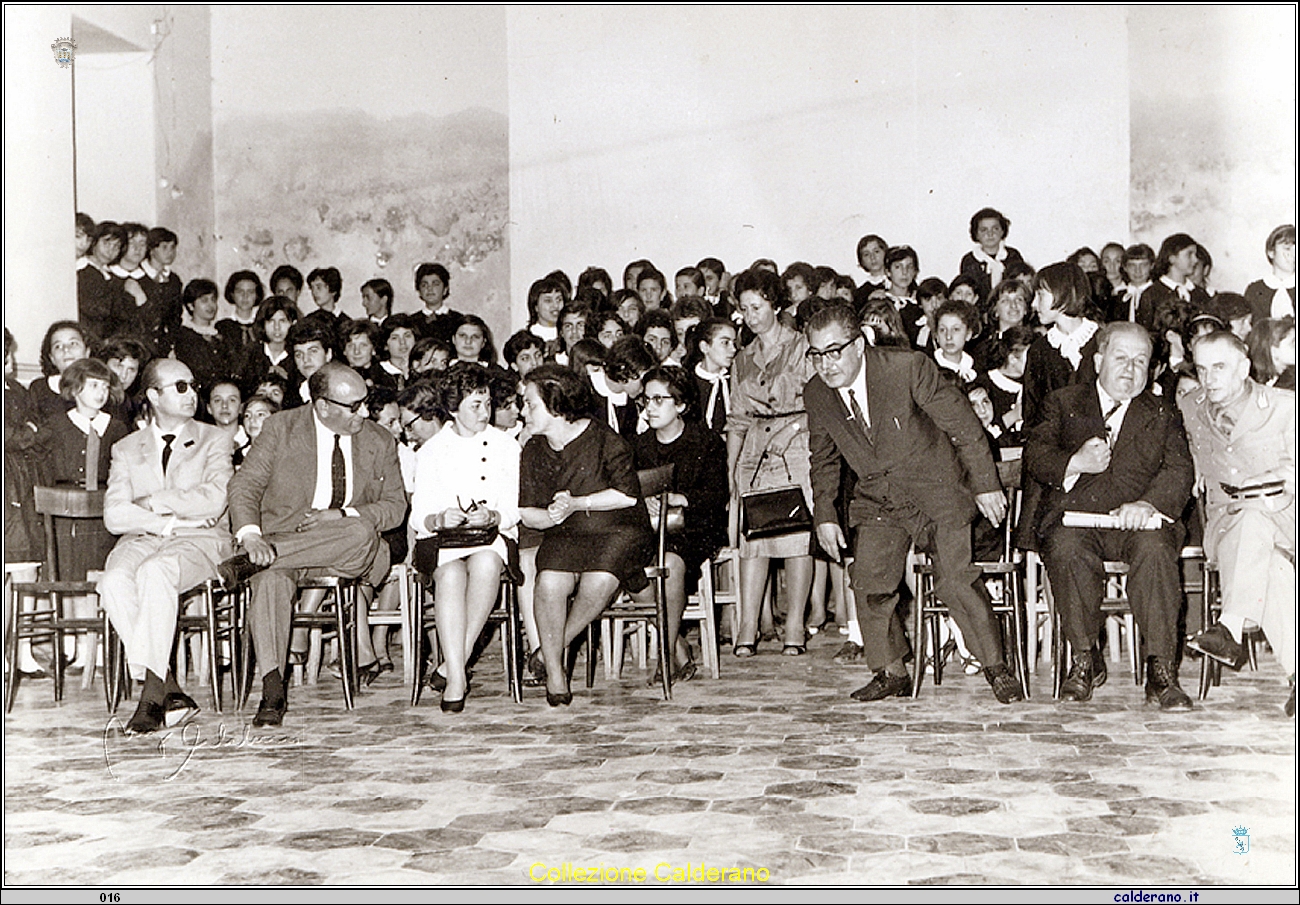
318,486
166,490
907,434
1111,450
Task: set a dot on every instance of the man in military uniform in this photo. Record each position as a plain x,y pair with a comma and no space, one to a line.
1243,442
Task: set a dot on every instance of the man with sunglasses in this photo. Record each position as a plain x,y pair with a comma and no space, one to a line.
317,488
166,490
908,435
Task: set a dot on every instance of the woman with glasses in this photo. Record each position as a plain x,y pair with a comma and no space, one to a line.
679,438
578,486
767,448
465,477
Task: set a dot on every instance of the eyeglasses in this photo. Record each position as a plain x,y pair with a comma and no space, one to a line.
645,401
831,353
181,386
407,425
352,407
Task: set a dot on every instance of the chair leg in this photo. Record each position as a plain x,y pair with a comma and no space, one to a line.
12,604
591,652
513,628
1019,631
345,603
666,644
918,642
210,645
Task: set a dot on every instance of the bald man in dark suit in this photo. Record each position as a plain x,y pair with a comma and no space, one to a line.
317,487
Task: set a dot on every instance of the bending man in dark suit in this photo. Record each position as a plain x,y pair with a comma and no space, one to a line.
1108,447
318,486
907,434
166,490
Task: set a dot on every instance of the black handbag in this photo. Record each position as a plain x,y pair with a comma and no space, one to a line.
425,555
772,513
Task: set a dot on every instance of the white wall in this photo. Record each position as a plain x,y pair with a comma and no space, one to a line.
39,281
116,176
675,133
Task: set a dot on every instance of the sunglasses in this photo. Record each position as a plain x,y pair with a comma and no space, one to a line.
352,407
181,386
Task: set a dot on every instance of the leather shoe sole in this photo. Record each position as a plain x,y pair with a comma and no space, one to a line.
884,686
1217,644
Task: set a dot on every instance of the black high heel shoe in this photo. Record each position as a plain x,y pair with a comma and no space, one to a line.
455,706
555,700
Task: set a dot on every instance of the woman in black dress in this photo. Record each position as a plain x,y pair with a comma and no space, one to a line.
244,291
699,458
272,354
578,485
64,343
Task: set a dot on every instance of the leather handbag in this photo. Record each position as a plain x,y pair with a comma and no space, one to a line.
772,513
424,558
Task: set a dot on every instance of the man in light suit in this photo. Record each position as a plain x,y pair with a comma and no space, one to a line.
317,487
907,434
1109,449
1243,442
166,490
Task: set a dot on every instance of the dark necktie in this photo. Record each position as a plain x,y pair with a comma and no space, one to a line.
856,411
1110,433
1222,419
92,460
338,477
167,450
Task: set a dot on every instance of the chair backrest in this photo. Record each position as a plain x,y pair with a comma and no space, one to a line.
655,481
70,502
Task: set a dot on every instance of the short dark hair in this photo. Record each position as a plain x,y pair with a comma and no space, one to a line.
1279,233
160,235
1139,252
310,330
593,275
651,273
1078,254
988,213
120,347
658,318
959,309
437,270
1069,287
693,274
801,270
426,344
109,230
1229,306
379,397
565,394
599,319
901,253
690,306
884,309
628,359
867,240
195,290
566,285
1264,337
286,272
399,322
544,286
383,289
835,312
627,295
425,399
330,276
764,282
713,265
227,381
519,342
76,374
931,288
488,353
681,386
359,326
1017,337
587,352
268,309
132,229
1172,245
86,223
238,277
463,378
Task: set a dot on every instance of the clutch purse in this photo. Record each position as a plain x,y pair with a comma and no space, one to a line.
771,513
425,555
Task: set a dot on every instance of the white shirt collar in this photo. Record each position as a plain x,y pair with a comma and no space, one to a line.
859,387
1004,383
99,423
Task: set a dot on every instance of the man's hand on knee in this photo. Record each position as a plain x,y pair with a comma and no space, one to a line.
259,551
316,517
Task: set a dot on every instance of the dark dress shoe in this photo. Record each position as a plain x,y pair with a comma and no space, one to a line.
1006,688
180,709
849,653
237,570
455,706
1162,687
1078,685
269,714
149,717
555,700
882,686
1216,643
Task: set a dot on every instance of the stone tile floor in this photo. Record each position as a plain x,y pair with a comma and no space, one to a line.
772,767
